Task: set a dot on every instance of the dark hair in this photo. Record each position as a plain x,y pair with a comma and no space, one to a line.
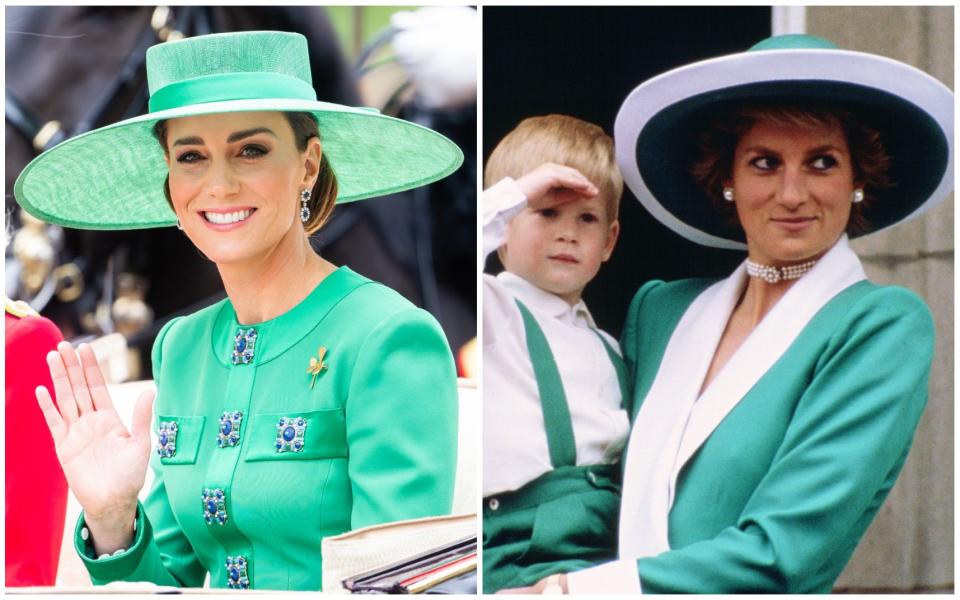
714,163
324,193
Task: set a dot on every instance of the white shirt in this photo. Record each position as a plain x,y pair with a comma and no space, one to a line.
514,439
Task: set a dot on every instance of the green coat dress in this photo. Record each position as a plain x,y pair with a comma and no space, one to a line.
269,458
780,493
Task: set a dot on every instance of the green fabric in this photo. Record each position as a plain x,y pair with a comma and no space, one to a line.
112,177
782,491
563,521
230,86
189,434
85,549
380,440
621,368
793,41
553,400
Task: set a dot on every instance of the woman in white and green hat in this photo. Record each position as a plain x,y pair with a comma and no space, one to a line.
309,402
775,407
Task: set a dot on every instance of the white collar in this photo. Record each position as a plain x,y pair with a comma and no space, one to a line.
543,301
675,419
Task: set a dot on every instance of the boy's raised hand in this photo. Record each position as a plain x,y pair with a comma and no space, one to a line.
550,176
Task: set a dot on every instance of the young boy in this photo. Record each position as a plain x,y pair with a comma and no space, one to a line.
554,385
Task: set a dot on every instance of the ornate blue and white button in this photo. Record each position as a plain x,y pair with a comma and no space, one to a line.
229,432
243,344
290,432
237,578
167,439
214,506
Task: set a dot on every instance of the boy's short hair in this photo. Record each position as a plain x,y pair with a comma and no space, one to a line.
563,140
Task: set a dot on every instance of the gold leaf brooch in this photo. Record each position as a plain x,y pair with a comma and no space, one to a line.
316,365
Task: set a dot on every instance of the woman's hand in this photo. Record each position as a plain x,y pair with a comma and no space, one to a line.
105,465
556,583
537,183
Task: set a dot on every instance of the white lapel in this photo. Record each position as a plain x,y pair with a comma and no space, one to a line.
677,422
658,428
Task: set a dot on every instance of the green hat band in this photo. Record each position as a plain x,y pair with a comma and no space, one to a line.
230,86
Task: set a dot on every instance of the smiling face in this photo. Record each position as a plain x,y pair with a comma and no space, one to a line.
235,182
793,188
560,248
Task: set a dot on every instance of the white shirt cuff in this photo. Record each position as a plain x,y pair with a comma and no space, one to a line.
616,577
501,202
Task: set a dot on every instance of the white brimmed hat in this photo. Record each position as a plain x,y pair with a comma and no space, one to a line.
657,127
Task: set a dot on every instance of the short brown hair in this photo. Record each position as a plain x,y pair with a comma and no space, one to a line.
718,141
563,140
324,194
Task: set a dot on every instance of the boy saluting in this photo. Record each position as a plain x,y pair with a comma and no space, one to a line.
554,385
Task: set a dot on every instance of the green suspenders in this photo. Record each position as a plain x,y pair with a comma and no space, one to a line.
553,399
621,368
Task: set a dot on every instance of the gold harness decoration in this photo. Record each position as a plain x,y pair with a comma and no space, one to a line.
19,308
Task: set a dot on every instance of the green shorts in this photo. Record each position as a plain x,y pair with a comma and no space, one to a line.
562,521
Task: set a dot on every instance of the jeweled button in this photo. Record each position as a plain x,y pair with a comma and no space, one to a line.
167,439
214,506
290,434
228,434
243,346
237,573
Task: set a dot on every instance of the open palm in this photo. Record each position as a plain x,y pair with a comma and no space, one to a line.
104,463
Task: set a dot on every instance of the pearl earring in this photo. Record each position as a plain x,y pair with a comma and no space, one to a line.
728,194
857,195
304,209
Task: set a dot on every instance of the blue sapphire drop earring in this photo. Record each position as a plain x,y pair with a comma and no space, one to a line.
304,210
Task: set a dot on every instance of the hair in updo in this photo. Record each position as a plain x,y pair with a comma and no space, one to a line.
717,142
324,193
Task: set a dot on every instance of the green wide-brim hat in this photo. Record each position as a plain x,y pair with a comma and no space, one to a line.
657,128
112,177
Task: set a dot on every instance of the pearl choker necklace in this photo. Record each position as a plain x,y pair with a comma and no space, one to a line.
775,274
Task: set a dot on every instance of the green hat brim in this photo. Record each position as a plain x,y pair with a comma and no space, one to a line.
657,128
112,177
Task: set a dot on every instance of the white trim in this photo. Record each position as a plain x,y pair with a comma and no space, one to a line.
837,270
616,577
844,66
785,20
675,419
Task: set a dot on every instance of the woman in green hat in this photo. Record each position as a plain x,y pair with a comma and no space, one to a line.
311,401
775,407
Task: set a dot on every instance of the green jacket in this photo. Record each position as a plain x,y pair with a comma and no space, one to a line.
377,441
779,495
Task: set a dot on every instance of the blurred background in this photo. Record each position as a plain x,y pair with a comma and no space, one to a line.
584,61
72,69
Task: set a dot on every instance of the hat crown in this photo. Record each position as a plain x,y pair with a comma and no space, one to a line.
274,52
794,41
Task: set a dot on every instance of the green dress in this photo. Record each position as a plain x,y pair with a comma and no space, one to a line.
779,495
263,452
